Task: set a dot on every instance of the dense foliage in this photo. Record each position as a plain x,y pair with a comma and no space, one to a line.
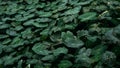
59,34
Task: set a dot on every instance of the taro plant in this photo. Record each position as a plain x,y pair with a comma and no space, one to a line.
59,34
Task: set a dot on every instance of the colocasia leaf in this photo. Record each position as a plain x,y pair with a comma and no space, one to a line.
71,41
3,36
98,52
44,14
6,41
72,11
29,1
40,49
48,58
88,16
59,51
4,26
83,57
16,42
65,64
113,35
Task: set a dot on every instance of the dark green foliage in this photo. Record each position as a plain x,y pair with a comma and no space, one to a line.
59,34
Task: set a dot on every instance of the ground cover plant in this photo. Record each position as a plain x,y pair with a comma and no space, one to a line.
59,33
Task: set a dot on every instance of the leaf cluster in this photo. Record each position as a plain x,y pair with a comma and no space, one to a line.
59,34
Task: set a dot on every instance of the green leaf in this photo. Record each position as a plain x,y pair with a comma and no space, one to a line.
73,2
92,38
65,64
27,33
85,2
6,41
113,35
43,20
75,10
83,58
70,26
2,23
8,60
98,51
1,62
27,23
55,37
88,16
32,61
1,49
8,48
70,18
18,28
71,41
29,16
20,64
68,34
38,66
65,1
48,58
3,36
61,50
45,32
40,49
17,42
35,1
11,32
4,26
85,52
82,33
40,25
44,14
36,24
29,1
